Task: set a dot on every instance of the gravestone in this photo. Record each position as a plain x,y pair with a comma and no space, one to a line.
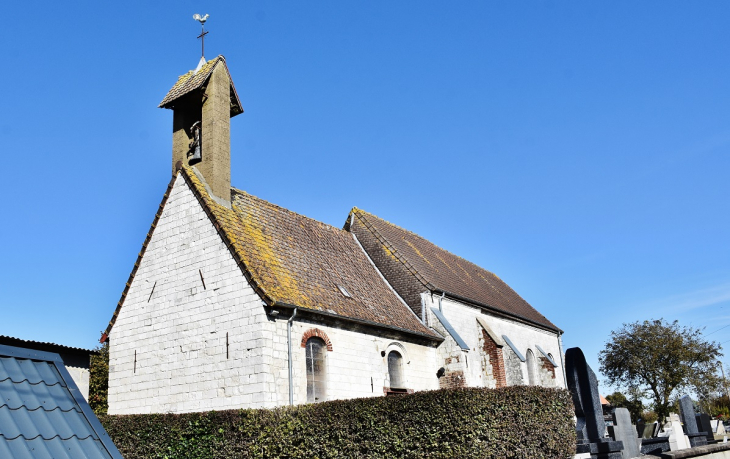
655,446
687,410
718,428
622,430
644,430
703,425
674,432
590,425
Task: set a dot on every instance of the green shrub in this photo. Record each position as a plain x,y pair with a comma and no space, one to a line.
513,422
99,379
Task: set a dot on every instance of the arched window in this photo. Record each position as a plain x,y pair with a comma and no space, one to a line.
395,370
532,369
316,350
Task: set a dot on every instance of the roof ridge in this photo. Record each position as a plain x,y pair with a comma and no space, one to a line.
361,214
208,205
427,240
226,221
44,343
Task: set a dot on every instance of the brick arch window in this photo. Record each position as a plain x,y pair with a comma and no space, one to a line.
316,333
316,357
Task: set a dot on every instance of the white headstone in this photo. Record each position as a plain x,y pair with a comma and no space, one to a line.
718,428
673,429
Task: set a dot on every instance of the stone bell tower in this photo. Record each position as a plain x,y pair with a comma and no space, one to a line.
203,102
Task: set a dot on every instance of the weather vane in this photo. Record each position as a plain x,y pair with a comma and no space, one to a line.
203,33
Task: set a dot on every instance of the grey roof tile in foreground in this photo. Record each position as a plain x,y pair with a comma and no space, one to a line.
43,414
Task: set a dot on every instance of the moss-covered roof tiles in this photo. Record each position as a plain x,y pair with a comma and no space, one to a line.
292,260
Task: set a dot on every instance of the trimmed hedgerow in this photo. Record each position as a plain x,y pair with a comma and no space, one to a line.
513,422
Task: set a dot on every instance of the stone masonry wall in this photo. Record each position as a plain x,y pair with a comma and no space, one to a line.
178,346
450,357
357,365
477,374
81,378
547,372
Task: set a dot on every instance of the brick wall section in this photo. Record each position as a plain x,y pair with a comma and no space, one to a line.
547,372
402,280
494,365
316,332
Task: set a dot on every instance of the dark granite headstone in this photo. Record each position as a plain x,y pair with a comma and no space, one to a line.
640,428
704,426
687,413
590,425
622,430
655,446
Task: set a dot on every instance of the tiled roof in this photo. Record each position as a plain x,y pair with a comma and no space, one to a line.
42,413
193,80
441,271
292,260
42,346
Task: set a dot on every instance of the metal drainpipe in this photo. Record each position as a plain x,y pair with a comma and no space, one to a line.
441,309
562,363
288,343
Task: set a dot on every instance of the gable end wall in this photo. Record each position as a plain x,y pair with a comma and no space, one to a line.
196,348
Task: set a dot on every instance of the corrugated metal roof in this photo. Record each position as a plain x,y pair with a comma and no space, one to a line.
42,412
43,346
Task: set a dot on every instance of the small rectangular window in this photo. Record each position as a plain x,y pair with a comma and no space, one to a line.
344,291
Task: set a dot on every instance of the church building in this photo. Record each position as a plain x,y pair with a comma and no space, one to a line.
235,302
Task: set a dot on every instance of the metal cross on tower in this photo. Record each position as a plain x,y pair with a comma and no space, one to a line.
203,33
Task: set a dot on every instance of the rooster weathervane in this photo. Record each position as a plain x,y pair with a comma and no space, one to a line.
203,33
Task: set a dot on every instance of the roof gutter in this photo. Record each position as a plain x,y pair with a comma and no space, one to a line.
496,311
434,338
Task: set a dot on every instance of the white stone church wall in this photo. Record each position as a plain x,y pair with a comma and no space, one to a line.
355,367
168,345
178,346
80,376
463,318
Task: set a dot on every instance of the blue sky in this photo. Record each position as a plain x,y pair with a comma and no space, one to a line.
578,150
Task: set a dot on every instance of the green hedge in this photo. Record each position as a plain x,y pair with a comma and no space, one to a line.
519,422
